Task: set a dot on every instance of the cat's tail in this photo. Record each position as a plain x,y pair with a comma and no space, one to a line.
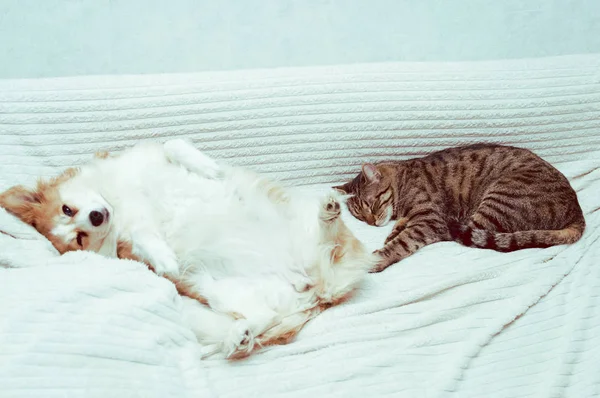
511,241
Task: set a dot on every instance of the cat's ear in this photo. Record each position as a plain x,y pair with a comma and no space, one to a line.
344,189
371,173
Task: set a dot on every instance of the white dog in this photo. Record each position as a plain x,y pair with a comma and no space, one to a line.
256,261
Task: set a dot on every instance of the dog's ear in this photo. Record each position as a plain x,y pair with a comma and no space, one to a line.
22,202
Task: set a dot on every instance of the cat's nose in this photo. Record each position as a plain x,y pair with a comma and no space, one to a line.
98,217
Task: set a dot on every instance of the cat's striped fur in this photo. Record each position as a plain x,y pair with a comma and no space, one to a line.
488,196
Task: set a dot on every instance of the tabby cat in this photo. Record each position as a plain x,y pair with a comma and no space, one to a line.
487,196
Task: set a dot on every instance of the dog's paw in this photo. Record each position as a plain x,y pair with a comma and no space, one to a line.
239,341
331,210
178,150
175,148
165,264
300,282
302,286
183,153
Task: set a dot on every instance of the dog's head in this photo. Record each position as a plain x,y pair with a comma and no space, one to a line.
68,210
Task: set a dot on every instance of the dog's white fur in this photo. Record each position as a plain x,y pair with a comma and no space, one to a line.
265,259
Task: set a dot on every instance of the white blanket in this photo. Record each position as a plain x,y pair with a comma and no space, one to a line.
447,321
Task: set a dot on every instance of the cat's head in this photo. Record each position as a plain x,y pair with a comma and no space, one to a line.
371,195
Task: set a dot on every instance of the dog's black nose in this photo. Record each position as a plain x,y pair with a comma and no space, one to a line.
96,218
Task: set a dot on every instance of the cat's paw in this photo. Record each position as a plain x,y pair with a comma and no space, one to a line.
239,341
330,210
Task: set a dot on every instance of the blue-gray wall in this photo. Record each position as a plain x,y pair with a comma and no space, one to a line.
74,37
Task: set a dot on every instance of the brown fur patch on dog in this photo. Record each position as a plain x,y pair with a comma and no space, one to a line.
101,155
38,207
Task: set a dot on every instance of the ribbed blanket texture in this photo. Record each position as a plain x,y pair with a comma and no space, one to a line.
447,321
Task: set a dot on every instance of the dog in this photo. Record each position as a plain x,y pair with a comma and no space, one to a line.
252,260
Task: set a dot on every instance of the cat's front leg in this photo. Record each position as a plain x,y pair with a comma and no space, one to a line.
418,232
396,249
398,227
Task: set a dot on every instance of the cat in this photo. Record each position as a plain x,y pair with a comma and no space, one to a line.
484,195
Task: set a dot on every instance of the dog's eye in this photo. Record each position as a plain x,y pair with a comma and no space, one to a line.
80,237
67,210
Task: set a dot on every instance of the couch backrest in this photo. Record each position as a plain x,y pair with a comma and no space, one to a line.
306,125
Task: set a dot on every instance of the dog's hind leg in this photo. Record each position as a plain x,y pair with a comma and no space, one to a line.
215,331
286,330
258,303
